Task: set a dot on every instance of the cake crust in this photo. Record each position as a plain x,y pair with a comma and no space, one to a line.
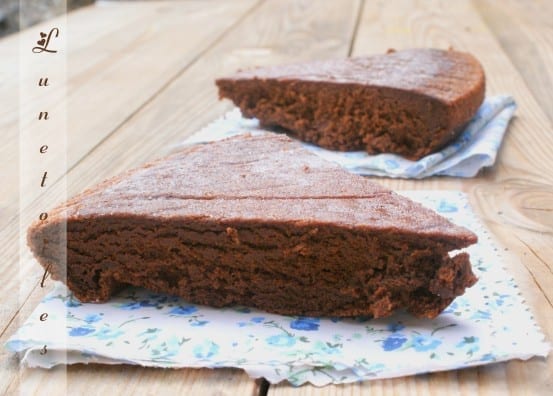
411,102
256,221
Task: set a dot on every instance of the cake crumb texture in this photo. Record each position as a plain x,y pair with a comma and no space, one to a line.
411,102
261,222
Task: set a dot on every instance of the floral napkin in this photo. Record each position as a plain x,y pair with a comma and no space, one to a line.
474,149
489,323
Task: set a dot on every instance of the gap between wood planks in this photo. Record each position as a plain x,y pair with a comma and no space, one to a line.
356,27
133,113
156,93
144,104
263,386
15,219
168,82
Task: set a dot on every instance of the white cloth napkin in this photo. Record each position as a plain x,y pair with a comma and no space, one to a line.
474,149
489,323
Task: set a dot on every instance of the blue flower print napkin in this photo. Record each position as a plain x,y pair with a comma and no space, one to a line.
489,323
474,149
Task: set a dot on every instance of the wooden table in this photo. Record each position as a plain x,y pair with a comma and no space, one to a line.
140,79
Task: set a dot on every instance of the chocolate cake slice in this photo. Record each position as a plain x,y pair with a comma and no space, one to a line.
411,102
257,221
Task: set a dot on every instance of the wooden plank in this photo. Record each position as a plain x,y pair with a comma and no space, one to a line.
140,46
514,199
158,127
525,31
102,38
94,127
278,31
523,176
410,25
131,380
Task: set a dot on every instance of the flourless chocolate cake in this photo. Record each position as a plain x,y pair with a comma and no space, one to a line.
257,221
411,102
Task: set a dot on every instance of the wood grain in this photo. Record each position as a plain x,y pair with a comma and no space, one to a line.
157,128
137,45
132,380
524,30
277,31
118,49
105,39
89,92
439,24
514,198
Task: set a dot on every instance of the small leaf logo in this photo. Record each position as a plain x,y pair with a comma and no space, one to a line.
45,40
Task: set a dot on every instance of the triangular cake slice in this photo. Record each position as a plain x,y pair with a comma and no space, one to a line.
411,102
261,222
